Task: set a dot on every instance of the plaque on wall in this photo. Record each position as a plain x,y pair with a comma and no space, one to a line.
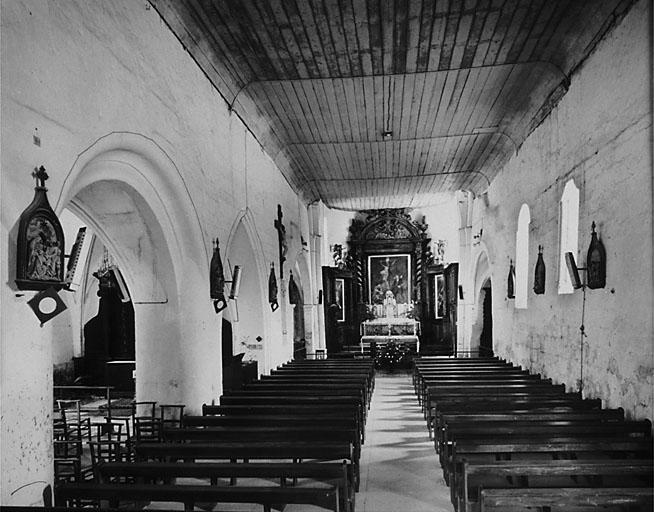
40,251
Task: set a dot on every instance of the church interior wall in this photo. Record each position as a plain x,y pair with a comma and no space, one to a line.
79,76
599,135
441,216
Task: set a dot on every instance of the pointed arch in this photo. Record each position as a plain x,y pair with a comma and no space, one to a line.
244,248
131,194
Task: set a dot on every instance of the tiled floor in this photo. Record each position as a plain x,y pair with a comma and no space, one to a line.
399,467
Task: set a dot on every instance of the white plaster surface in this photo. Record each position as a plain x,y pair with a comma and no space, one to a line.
121,109
600,134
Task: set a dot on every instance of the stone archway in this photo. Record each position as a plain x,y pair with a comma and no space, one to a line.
482,287
135,200
249,311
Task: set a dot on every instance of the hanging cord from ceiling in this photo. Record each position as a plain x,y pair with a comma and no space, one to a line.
582,335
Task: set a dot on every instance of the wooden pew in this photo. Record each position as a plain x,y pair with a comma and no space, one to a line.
309,376
542,431
508,405
319,418
300,388
444,421
282,433
288,399
252,450
461,391
325,383
471,477
189,495
503,500
478,380
452,421
461,372
509,402
545,447
338,474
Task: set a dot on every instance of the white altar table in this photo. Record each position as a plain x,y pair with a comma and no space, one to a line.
386,329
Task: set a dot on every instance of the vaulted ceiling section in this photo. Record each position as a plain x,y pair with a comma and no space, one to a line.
387,103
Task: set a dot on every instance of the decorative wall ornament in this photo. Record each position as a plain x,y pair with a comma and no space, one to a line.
340,256
596,262
440,251
281,236
40,254
539,274
510,284
217,280
46,305
272,289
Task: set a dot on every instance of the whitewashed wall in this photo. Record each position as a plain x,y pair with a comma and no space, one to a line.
126,120
600,135
442,218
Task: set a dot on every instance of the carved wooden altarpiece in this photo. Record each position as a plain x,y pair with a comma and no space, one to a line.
389,237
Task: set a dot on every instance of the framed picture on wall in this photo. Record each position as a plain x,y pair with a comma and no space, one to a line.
389,273
439,296
339,298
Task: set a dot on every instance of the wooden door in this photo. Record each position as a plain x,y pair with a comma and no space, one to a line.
339,305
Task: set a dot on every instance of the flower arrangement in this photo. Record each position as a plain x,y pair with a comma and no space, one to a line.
393,355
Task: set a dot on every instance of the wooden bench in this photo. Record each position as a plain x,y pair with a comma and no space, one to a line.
436,393
495,380
490,450
507,402
252,450
289,375
282,433
504,500
300,388
541,431
189,495
335,386
306,420
444,421
423,375
286,399
471,477
338,474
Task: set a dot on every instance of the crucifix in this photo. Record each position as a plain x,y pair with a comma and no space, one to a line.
40,176
281,235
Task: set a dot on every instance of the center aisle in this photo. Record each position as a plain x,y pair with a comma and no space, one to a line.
399,467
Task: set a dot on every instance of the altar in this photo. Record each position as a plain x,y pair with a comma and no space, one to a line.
399,329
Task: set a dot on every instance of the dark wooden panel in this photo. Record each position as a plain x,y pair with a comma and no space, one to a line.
342,72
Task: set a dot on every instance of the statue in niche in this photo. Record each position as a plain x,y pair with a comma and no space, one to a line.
43,251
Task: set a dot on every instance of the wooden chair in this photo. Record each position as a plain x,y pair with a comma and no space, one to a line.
68,460
149,430
123,413
143,409
171,415
112,430
77,424
104,451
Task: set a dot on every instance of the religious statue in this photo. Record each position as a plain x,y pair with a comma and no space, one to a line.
390,305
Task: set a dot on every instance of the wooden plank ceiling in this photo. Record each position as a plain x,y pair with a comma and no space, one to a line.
458,83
